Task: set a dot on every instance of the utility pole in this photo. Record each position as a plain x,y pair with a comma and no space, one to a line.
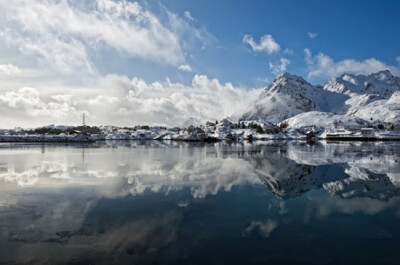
83,120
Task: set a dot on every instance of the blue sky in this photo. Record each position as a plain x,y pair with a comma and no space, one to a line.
356,30
172,62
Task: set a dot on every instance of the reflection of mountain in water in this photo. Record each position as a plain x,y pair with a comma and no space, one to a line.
359,171
287,169
363,183
139,204
282,176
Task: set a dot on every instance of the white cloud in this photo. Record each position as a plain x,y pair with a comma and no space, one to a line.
65,34
265,228
27,106
65,56
262,79
188,15
312,35
322,65
267,44
288,51
9,69
279,67
195,38
185,68
120,100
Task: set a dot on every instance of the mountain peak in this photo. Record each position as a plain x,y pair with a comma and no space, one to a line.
385,76
286,96
287,82
382,83
288,76
289,95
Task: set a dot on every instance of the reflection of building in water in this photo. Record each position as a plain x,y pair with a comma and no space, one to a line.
83,154
95,201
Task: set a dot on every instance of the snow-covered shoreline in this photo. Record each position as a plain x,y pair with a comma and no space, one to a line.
348,108
45,139
212,133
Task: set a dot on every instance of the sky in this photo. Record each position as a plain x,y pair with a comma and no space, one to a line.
175,62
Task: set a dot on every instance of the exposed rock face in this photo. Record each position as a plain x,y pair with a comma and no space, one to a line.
286,96
372,97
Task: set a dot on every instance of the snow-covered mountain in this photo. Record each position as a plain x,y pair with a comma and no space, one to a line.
358,99
382,83
287,96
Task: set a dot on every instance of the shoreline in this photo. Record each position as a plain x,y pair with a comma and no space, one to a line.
337,139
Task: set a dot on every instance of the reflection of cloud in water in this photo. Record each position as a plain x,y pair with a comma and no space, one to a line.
31,176
65,236
53,197
204,175
327,205
288,170
140,238
264,227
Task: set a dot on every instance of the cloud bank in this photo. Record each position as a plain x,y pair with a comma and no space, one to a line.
120,100
51,52
64,36
322,65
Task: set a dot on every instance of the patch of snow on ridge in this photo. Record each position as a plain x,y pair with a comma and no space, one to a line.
322,119
286,96
359,99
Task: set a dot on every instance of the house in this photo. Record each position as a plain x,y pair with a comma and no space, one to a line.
367,132
75,132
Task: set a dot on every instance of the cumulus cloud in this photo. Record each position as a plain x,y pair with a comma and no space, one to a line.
322,65
185,68
61,48
280,67
121,100
27,106
65,34
188,15
312,35
267,44
9,69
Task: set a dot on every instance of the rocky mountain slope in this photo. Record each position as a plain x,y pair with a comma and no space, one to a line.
356,99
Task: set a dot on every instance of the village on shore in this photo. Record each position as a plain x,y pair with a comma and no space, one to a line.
348,108
223,130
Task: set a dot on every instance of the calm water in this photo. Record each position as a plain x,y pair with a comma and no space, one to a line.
179,203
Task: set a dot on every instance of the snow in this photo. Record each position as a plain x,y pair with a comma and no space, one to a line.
45,138
287,96
288,108
323,120
352,100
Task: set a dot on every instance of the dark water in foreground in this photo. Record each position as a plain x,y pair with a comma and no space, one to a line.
179,203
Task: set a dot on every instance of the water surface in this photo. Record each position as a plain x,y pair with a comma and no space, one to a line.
182,203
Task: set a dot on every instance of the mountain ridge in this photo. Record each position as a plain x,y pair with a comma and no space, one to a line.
372,98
